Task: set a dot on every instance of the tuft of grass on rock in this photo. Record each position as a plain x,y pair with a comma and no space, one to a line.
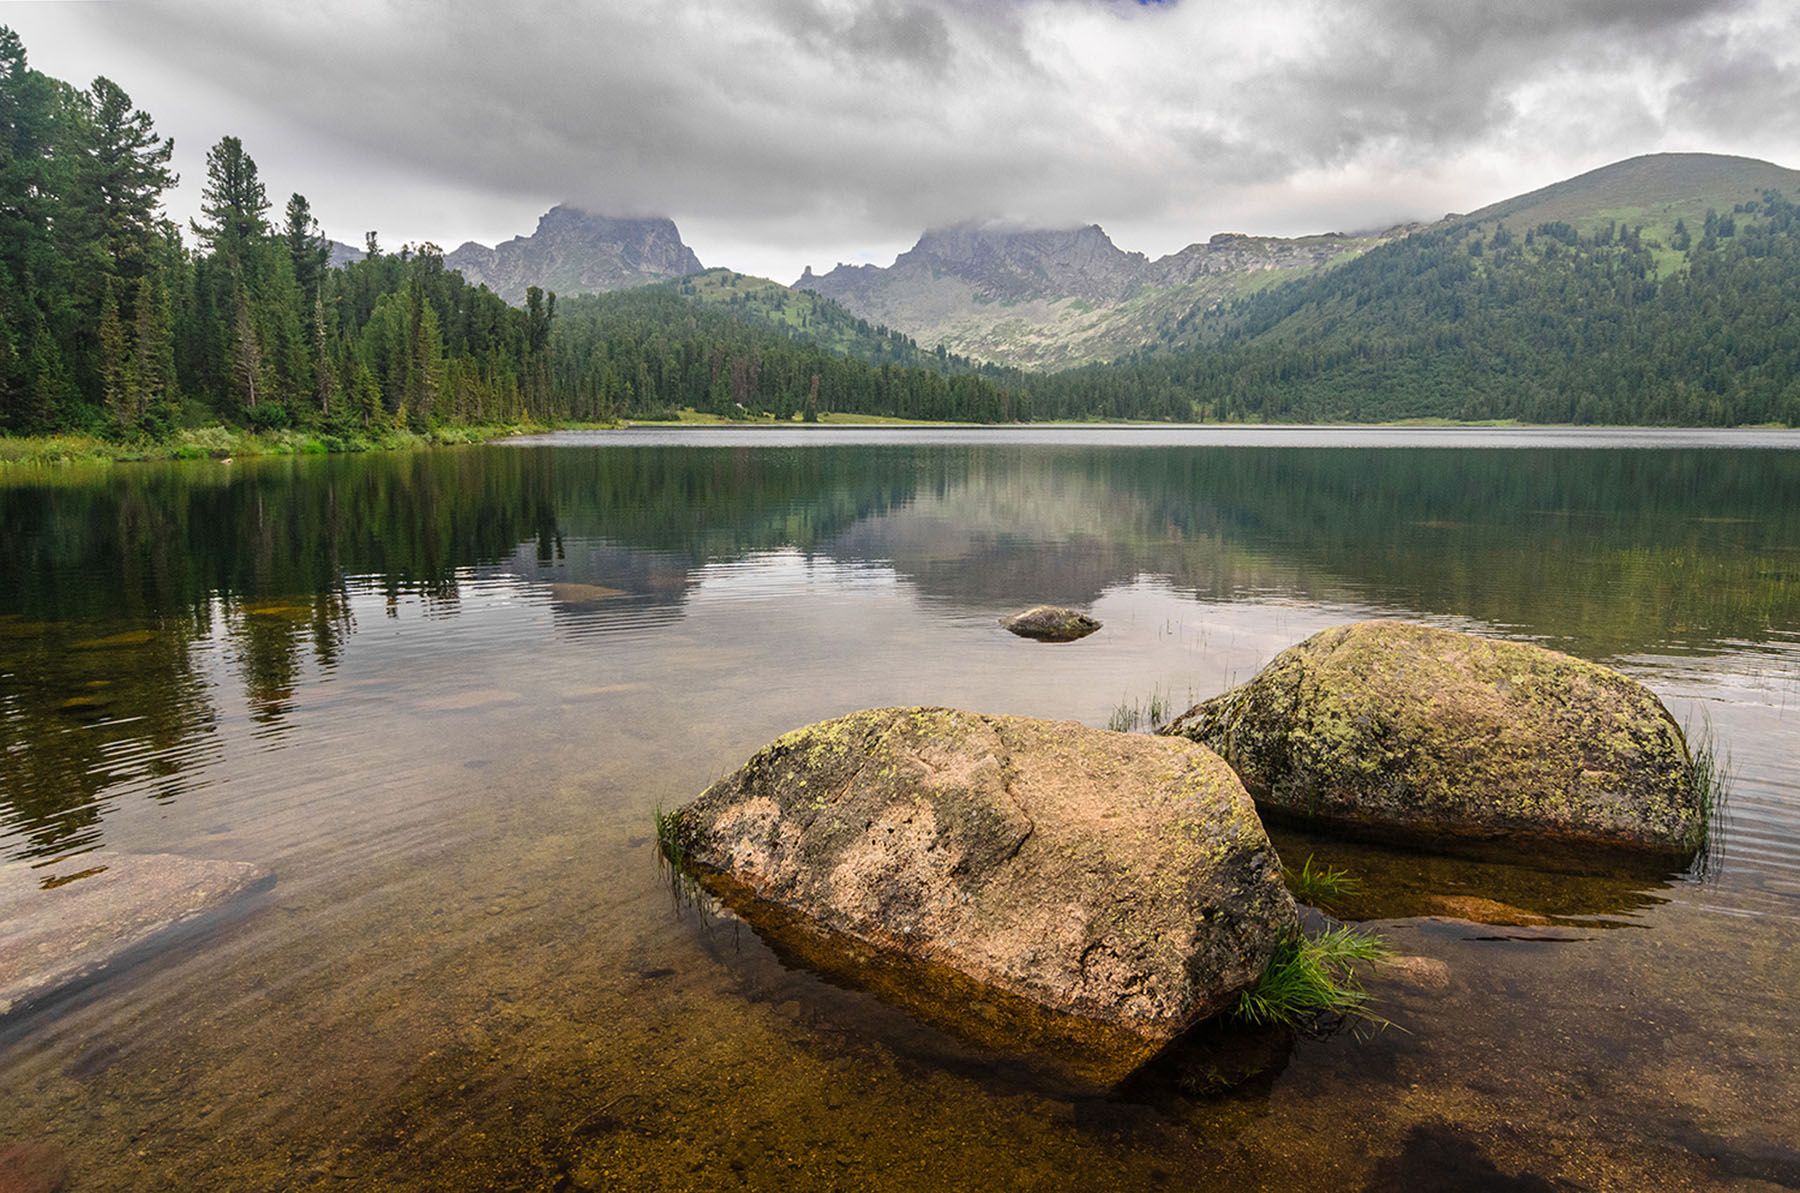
671,838
1319,886
1313,976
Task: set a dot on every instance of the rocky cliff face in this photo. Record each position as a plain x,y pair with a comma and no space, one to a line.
1053,298
574,252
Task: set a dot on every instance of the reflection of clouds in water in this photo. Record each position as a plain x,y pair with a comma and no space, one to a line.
774,574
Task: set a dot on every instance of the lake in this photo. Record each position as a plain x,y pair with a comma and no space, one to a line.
439,696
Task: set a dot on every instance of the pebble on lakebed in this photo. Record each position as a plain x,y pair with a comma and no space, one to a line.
1050,623
1116,880
1411,730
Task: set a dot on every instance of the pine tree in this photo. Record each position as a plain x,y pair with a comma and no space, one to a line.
233,201
324,374
124,173
307,247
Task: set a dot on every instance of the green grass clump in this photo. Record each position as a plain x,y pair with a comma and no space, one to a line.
671,838
1124,717
1153,714
674,850
1712,791
1311,976
1319,886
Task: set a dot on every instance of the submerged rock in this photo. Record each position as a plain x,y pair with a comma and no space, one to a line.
1427,732
1048,623
1420,973
60,926
1121,880
33,1168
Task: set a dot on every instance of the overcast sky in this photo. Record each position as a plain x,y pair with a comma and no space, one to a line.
782,133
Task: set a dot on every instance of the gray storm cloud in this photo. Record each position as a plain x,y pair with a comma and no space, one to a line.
823,123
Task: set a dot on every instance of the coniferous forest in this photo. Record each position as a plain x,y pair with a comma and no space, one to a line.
1481,321
115,321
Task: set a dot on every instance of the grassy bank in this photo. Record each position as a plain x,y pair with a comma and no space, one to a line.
219,442
689,417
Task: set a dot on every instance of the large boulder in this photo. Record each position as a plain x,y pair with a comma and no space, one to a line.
1419,731
1051,623
1121,880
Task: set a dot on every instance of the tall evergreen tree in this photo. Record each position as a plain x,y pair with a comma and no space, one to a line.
124,174
233,202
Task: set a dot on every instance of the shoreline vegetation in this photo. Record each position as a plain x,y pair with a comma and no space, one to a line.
218,441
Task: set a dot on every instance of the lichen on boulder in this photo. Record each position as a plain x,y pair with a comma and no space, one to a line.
1119,879
1050,623
1417,731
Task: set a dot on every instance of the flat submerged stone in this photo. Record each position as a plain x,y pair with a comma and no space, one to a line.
64,924
1117,879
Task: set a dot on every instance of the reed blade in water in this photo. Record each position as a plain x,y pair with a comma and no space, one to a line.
1318,885
1712,788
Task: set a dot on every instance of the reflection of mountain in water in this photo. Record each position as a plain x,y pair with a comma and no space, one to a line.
1692,548
109,581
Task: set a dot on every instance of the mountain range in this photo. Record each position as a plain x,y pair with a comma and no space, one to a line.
1048,299
1045,298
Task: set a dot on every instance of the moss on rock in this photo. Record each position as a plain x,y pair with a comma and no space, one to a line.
1393,726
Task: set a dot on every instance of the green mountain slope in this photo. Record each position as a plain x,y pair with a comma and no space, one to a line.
653,349
1652,191
1587,318
815,319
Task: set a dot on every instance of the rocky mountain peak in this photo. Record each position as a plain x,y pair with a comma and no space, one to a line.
1010,262
573,251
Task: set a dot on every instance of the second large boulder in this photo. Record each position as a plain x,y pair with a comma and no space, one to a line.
1431,732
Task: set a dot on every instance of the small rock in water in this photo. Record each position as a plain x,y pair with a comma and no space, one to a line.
1475,909
1421,973
33,1168
1050,623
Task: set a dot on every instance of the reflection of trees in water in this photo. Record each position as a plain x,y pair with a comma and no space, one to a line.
82,710
260,555
1607,552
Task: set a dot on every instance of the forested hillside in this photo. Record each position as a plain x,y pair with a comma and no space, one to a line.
111,322
1479,320
817,319
652,350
